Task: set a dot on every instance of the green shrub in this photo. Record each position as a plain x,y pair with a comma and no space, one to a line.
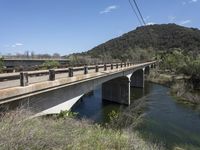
50,64
1,65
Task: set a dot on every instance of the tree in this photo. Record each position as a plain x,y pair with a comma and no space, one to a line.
1,65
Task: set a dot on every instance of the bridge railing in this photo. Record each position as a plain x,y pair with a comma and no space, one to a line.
24,76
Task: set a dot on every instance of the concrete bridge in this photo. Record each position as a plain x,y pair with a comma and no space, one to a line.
116,80
29,62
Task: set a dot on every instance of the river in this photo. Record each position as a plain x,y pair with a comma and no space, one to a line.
166,120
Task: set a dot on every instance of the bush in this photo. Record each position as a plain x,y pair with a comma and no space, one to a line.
174,61
50,64
1,65
18,132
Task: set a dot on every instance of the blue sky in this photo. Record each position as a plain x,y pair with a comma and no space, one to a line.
67,26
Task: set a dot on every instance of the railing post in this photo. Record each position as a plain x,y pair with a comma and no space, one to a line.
51,74
117,65
70,72
125,64
85,69
96,68
105,67
111,66
121,65
23,79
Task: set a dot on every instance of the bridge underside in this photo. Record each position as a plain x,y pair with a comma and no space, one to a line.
117,90
137,79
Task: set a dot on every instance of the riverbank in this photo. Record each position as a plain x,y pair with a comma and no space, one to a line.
18,132
179,86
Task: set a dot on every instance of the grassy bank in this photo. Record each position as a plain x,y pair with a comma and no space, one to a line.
178,84
18,132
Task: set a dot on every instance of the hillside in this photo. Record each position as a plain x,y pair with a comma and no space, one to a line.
142,42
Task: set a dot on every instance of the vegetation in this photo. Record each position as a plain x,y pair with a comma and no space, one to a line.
1,65
179,63
18,132
50,64
129,118
143,42
180,71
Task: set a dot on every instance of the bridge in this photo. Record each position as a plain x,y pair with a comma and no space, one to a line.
115,80
29,62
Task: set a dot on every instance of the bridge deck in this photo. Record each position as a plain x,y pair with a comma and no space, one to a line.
39,84
35,79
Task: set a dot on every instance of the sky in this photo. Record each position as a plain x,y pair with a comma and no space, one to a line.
70,26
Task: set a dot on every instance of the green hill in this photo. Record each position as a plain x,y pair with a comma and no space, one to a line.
143,42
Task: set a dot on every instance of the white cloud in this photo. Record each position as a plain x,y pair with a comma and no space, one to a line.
185,22
108,9
171,18
17,44
189,2
150,23
193,1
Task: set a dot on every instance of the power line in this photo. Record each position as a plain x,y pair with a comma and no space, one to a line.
139,12
143,20
134,11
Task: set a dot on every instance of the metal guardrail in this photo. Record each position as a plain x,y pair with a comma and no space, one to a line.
24,75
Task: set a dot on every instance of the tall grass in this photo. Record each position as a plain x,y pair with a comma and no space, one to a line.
184,92
18,133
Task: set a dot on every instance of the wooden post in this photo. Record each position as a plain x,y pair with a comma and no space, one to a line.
105,67
85,69
117,65
96,68
121,65
111,66
51,74
23,79
70,72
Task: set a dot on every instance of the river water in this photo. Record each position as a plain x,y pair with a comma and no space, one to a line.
167,121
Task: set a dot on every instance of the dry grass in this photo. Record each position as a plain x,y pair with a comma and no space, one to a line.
182,90
18,133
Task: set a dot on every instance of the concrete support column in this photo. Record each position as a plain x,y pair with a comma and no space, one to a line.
147,70
70,72
154,65
52,74
23,79
137,78
117,90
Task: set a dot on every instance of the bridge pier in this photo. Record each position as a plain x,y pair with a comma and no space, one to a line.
147,70
117,90
137,78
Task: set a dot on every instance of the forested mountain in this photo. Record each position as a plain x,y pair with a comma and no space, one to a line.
144,41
